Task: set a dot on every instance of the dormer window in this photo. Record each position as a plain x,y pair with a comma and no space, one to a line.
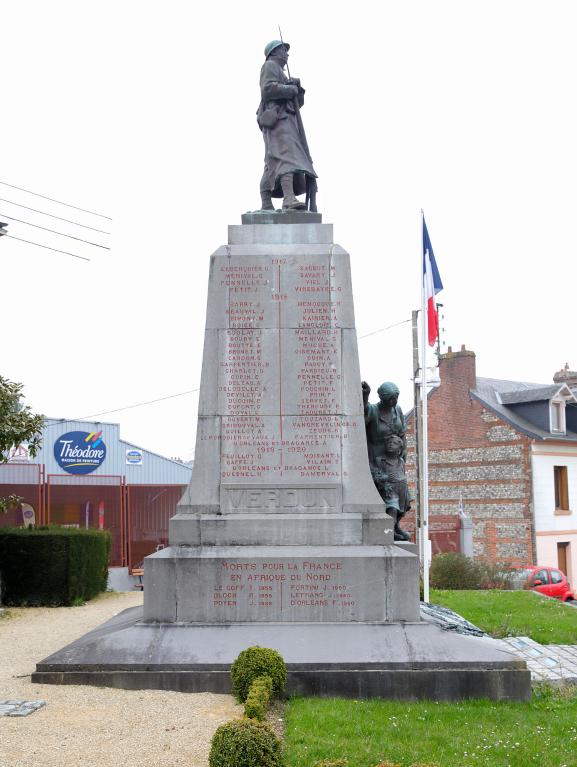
557,416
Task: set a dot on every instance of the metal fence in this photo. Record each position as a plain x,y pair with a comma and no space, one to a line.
136,515
149,509
95,503
25,480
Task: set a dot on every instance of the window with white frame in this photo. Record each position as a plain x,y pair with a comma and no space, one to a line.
557,416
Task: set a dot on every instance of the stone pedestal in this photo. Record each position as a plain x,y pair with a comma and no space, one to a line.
281,521
281,539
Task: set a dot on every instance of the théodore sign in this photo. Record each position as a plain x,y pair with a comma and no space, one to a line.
80,452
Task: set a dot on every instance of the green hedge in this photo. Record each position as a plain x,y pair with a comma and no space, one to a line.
245,743
254,662
52,565
258,698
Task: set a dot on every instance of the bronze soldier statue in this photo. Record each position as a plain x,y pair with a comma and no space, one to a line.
288,167
387,446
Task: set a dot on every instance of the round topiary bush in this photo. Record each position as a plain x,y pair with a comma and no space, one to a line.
245,743
254,662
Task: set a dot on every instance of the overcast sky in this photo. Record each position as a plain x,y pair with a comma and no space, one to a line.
145,112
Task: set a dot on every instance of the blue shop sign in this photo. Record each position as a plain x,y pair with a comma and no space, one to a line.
80,452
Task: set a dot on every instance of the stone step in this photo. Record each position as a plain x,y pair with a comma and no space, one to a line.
245,529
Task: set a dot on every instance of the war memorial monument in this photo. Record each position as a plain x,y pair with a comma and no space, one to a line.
282,538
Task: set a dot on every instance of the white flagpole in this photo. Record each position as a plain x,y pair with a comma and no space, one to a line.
424,431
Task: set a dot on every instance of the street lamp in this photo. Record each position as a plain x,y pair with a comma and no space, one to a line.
2,228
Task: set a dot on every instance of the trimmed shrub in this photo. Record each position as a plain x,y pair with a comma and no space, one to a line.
254,662
454,571
245,743
52,565
259,695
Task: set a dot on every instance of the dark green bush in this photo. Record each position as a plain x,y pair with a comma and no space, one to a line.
254,662
245,743
454,571
259,695
52,565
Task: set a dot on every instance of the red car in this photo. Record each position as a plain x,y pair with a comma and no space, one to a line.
547,580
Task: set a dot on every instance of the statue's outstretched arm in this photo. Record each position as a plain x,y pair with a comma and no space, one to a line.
366,389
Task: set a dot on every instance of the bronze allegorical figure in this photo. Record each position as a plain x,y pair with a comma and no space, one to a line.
387,447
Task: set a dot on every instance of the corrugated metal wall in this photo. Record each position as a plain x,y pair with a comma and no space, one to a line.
155,469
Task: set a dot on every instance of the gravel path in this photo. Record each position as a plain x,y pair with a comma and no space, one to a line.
90,726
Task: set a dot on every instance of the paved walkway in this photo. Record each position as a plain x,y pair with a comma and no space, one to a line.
547,663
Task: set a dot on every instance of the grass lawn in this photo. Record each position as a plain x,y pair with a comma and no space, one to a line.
469,734
513,613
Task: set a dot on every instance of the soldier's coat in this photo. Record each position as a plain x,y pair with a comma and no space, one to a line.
284,148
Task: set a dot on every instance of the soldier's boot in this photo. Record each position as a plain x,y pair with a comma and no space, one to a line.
266,199
290,202
399,533
312,189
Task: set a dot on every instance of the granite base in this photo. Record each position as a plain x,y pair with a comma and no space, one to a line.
401,661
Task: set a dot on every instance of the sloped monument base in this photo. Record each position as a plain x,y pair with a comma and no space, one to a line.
281,539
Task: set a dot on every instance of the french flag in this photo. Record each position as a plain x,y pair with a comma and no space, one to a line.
432,285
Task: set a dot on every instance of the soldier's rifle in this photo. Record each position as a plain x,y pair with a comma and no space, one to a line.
311,186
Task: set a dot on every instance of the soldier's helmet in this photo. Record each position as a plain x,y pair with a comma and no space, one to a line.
269,48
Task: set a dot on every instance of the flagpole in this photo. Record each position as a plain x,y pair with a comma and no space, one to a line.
424,429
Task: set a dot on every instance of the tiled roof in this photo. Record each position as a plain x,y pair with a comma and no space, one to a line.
498,394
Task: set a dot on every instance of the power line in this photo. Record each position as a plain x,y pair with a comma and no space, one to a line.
42,213
138,404
29,242
44,197
380,330
62,234
191,391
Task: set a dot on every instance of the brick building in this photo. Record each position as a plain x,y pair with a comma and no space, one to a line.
505,453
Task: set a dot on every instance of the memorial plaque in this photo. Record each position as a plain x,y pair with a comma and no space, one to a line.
297,583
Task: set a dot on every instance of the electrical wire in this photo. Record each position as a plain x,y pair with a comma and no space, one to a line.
53,231
44,197
191,391
138,404
42,213
29,242
380,330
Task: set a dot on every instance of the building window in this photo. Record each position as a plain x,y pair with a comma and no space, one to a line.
561,488
557,416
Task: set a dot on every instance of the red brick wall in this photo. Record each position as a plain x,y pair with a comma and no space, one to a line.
476,455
